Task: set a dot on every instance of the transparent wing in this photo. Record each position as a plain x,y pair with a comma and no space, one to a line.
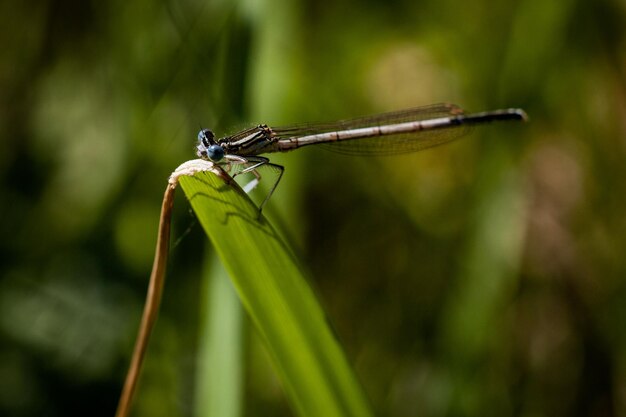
389,144
399,143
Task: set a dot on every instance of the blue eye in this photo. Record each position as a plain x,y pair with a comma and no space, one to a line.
215,153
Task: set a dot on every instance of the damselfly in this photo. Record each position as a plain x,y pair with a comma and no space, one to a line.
386,134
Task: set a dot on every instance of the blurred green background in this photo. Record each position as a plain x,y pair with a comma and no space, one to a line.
486,277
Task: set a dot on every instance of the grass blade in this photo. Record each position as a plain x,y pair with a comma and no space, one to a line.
220,363
271,286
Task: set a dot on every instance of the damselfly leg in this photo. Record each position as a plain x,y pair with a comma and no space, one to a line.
237,165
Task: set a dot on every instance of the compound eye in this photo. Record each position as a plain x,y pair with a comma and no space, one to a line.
206,137
215,153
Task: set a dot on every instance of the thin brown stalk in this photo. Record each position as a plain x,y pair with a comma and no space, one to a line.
153,299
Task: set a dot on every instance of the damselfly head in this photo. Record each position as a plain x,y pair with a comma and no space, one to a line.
206,139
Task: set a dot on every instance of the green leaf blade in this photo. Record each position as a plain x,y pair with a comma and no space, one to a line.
271,286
